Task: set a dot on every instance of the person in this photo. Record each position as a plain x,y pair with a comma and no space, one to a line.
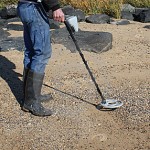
37,51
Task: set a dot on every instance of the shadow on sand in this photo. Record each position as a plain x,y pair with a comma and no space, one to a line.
11,77
97,106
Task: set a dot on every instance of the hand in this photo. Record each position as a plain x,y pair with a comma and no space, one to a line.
58,15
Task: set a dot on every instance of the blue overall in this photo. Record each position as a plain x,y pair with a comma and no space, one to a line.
36,36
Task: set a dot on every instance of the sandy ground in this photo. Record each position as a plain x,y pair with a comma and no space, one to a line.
122,72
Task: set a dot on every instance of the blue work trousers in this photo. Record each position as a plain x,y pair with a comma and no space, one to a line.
36,36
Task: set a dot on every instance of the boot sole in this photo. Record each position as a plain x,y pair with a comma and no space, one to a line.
27,110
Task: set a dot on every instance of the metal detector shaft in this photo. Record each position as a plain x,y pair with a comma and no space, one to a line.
85,62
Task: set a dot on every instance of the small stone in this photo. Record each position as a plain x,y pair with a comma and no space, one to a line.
99,137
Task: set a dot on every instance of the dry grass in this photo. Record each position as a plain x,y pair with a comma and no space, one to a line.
111,7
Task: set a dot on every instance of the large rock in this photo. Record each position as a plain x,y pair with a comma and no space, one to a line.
127,15
120,22
3,13
128,8
98,19
70,11
12,44
139,10
80,15
147,26
3,22
16,19
54,24
127,11
9,43
16,27
3,34
89,41
143,16
11,11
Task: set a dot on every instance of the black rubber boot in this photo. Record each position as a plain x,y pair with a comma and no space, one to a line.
25,73
42,98
32,102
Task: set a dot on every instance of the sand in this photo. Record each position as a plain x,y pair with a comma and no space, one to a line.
122,73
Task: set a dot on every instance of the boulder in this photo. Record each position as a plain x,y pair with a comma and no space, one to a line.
147,26
120,22
9,43
123,22
143,16
80,15
16,27
11,11
3,22
3,34
128,8
3,13
88,41
139,10
98,19
12,44
70,11
127,11
15,19
54,24
127,15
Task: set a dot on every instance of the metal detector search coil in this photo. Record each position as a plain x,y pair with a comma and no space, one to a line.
111,103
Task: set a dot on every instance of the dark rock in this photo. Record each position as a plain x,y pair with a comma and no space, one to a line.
8,11
70,11
80,15
3,34
12,44
139,10
120,22
123,22
89,41
112,20
128,8
2,22
3,13
54,24
16,27
11,11
143,16
147,26
127,11
98,19
127,15
16,19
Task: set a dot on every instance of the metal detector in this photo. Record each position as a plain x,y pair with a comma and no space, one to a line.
105,103
72,26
